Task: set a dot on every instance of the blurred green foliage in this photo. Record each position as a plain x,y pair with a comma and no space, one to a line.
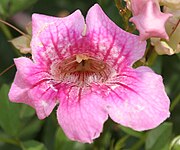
19,126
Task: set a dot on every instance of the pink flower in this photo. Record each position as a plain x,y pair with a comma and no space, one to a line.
149,19
88,72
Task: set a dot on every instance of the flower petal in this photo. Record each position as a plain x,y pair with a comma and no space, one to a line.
44,99
111,43
31,87
138,100
19,89
30,72
24,80
148,18
81,114
52,37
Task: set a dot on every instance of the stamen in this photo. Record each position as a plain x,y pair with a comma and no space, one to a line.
81,70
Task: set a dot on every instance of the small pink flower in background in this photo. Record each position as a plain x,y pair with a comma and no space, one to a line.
149,19
85,67
172,46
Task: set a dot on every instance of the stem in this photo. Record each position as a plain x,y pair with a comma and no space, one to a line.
8,24
138,145
8,34
151,56
121,142
175,102
4,71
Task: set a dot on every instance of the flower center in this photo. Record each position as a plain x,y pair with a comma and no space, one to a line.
81,70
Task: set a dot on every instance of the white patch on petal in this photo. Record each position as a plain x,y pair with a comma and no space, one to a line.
53,88
44,103
50,85
139,108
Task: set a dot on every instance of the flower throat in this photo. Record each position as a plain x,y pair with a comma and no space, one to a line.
81,70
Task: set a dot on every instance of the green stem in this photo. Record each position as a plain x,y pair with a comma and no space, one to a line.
175,102
121,142
150,56
139,144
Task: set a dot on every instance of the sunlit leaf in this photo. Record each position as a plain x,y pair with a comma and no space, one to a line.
175,144
22,43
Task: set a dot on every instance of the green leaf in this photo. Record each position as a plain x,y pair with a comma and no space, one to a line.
33,145
49,131
132,132
31,128
8,147
61,141
26,112
158,138
9,113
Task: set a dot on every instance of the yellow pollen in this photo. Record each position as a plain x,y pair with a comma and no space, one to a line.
81,57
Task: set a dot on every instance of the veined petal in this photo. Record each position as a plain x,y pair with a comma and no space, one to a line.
81,115
26,76
30,72
31,86
44,99
138,100
111,43
52,37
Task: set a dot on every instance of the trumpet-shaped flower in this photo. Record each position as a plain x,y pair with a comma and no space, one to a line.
148,18
85,67
172,46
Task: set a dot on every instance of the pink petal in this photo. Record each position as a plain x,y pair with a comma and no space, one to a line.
19,89
52,37
31,86
44,99
138,99
81,115
148,18
111,43
24,80
30,72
